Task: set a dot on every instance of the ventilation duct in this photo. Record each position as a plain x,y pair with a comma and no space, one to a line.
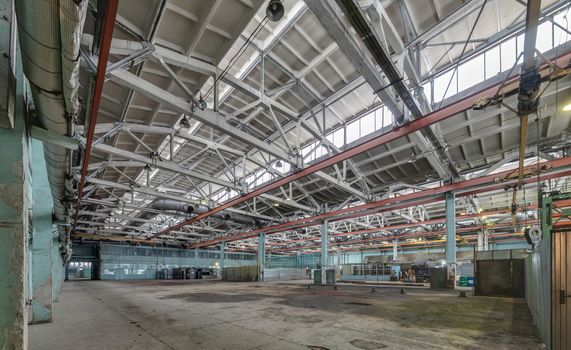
183,207
49,35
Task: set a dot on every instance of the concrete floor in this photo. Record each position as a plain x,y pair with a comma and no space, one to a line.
222,315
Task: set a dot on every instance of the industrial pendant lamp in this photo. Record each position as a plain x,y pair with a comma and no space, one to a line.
275,10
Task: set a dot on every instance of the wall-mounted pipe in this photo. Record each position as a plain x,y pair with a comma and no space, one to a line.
49,35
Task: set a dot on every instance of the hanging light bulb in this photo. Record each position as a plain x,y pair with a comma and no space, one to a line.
200,103
185,123
275,10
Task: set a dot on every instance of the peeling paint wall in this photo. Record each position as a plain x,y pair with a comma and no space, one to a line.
14,204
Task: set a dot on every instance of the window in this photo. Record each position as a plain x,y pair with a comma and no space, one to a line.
507,54
470,73
353,131
493,67
544,37
367,124
441,84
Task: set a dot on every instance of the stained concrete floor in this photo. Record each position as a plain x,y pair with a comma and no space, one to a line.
223,315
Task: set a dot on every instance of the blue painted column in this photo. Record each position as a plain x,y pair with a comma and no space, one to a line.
261,255
450,228
14,203
42,239
324,251
222,253
451,239
58,268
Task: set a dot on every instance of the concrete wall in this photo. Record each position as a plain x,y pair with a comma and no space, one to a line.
15,199
537,288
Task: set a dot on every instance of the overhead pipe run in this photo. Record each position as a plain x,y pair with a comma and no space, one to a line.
186,208
49,35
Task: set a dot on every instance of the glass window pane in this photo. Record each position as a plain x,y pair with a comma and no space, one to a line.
440,84
339,138
508,54
544,37
493,62
367,124
470,73
352,131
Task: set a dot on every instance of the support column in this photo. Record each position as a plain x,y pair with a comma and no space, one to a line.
222,253
395,250
480,241
261,255
14,204
486,236
324,251
451,238
58,268
42,240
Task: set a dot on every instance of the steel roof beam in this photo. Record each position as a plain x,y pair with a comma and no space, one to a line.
463,188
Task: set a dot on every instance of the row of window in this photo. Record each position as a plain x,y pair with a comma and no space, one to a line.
497,59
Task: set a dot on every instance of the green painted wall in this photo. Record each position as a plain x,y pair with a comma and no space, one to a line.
14,204
42,239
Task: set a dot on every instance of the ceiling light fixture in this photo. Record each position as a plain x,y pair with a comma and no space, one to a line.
200,103
412,158
275,10
567,107
185,123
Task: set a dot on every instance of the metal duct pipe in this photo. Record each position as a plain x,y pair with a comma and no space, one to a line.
49,36
183,207
169,204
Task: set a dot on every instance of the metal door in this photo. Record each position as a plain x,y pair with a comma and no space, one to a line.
561,291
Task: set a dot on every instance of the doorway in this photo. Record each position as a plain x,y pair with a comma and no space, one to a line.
79,270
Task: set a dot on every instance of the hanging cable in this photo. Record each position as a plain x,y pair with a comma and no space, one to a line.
462,53
238,54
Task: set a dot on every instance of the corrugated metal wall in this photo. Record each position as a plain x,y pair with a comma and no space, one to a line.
537,288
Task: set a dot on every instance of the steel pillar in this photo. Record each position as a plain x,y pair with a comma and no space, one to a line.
450,228
42,241
261,255
58,267
480,241
450,199
395,250
222,253
324,251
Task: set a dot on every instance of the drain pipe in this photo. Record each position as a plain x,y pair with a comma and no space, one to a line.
105,45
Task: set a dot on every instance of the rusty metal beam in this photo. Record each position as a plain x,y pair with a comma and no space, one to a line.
103,48
477,185
508,88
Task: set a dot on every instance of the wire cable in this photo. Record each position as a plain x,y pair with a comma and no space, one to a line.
463,51
238,54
